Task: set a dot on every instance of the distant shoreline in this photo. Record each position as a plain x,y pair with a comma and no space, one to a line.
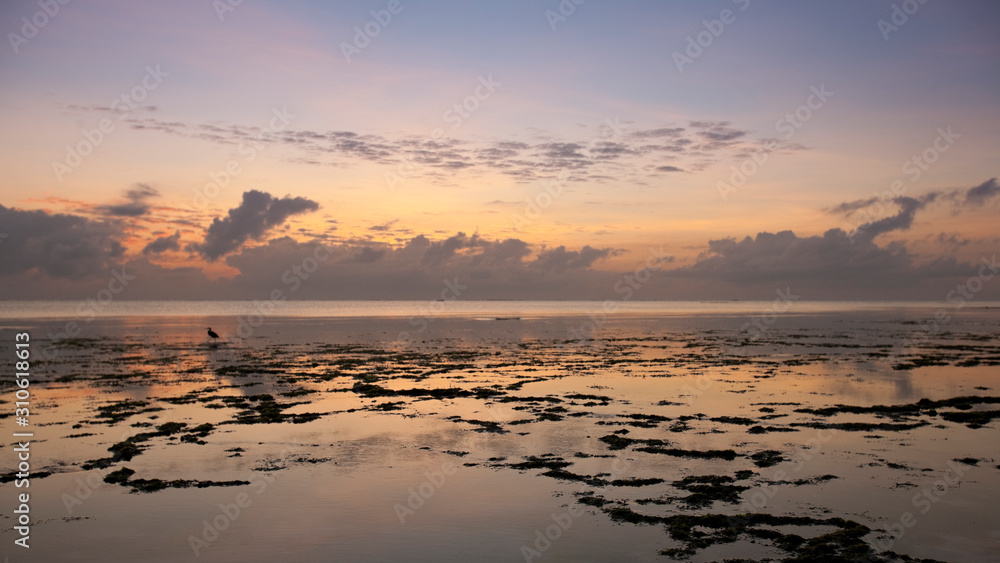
525,310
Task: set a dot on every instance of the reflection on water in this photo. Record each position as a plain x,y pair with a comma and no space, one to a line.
485,439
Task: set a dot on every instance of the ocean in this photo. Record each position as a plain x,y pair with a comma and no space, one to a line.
504,431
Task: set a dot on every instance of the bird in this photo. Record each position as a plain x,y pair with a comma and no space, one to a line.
212,334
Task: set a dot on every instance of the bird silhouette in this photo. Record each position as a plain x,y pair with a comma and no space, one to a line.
212,333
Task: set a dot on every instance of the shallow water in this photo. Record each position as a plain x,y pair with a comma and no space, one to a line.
356,422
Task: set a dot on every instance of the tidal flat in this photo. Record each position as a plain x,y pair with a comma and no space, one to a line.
848,436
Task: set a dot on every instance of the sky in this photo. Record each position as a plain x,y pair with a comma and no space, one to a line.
543,149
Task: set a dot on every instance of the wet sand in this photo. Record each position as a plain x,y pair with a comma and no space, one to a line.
659,439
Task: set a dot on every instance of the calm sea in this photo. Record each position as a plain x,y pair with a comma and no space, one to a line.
468,309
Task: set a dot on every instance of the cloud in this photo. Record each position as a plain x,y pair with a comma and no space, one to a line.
417,269
979,194
719,131
64,246
163,244
436,253
607,150
902,221
870,212
828,266
974,196
509,251
952,239
656,133
385,227
73,256
831,266
136,205
849,207
668,169
560,151
258,213
709,141
367,255
783,255
559,259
